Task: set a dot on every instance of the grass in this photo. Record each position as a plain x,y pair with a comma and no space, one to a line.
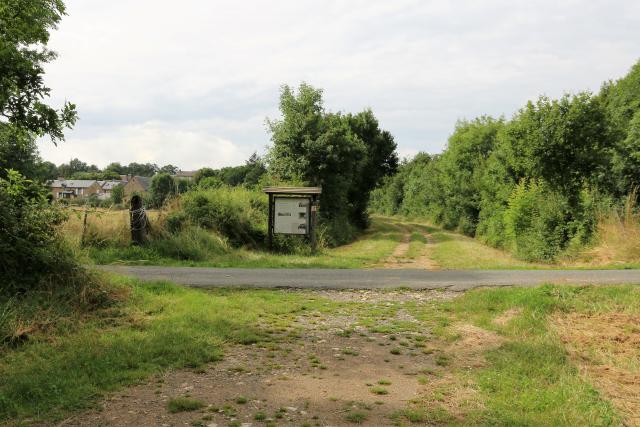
457,252
160,327
184,404
206,249
528,379
107,242
356,417
380,391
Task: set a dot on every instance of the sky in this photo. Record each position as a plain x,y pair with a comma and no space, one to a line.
191,83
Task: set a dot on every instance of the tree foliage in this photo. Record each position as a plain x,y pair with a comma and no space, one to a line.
31,248
24,33
533,184
247,175
162,186
345,154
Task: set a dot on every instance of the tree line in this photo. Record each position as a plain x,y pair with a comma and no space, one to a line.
534,184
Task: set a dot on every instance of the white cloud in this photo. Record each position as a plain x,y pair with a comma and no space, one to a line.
208,70
152,142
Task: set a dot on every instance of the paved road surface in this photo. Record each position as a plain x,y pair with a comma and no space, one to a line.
458,280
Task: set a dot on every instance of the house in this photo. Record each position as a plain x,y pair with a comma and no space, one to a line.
137,185
186,175
107,188
74,188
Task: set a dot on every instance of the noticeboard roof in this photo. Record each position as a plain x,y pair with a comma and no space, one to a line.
292,190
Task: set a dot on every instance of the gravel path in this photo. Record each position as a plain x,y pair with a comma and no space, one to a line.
456,280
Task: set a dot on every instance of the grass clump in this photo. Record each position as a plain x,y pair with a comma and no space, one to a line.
184,404
241,400
381,391
260,416
356,417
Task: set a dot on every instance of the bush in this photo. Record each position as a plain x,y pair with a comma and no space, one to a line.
238,214
162,186
536,222
31,249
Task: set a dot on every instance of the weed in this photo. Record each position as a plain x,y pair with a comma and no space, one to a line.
349,352
356,417
443,360
184,404
379,390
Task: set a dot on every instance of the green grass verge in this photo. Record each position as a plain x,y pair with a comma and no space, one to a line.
162,326
529,379
375,244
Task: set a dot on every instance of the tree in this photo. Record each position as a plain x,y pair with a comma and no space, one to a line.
380,160
204,173
24,33
331,150
170,169
565,142
76,166
142,169
162,186
17,151
116,168
117,194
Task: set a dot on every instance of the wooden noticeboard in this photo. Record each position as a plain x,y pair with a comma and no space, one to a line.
292,210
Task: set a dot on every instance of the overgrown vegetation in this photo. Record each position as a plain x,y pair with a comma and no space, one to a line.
537,184
39,272
346,154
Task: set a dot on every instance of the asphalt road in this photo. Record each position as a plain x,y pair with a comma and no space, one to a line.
457,280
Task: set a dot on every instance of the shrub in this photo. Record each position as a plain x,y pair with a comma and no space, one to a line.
162,186
117,194
536,222
238,214
31,249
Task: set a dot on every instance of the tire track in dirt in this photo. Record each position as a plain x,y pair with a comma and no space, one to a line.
400,259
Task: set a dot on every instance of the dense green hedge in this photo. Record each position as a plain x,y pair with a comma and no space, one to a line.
534,184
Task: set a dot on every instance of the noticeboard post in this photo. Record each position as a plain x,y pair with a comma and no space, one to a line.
292,210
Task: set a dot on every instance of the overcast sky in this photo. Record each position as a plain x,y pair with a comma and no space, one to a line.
191,82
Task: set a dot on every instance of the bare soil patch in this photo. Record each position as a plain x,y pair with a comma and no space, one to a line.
507,316
606,348
398,258
320,371
425,261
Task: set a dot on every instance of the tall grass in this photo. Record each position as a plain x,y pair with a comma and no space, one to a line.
619,234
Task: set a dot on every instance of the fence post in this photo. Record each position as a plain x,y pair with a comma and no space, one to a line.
84,226
138,221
